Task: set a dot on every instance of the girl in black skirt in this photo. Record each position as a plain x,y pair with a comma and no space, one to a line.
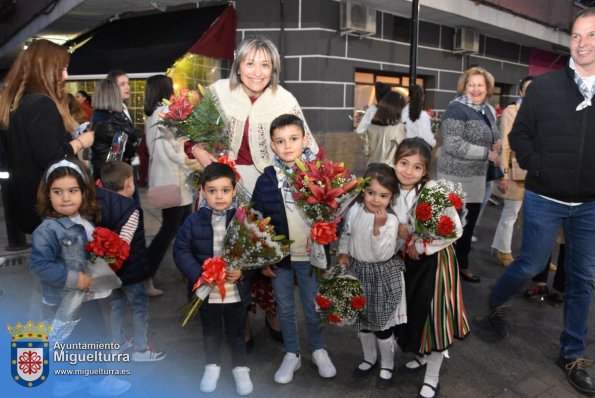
435,309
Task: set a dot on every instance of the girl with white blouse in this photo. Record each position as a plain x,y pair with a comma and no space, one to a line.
367,245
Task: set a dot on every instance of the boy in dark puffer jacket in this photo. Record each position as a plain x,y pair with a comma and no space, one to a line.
200,238
123,215
273,197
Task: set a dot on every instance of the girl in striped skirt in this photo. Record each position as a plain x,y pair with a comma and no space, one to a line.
436,313
368,245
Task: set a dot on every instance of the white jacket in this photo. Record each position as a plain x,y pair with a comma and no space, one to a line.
166,157
236,107
421,128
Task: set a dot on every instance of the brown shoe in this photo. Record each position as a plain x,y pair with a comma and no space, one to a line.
504,259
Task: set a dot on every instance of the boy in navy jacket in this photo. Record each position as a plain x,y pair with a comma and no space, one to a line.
273,197
123,215
199,238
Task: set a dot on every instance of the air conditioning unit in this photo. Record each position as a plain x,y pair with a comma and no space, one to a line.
356,18
466,41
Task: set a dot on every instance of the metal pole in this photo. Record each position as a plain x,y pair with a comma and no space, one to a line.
414,37
282,40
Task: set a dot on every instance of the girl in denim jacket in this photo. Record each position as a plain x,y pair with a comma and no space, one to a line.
67,205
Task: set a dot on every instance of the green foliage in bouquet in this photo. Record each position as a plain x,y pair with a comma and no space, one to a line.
194,114
251,241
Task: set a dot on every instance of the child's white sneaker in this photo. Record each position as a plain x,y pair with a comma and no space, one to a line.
209,378
109,386
148,355
62,388
326,368
291,363
241,374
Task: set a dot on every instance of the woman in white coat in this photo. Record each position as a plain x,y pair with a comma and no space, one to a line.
168,164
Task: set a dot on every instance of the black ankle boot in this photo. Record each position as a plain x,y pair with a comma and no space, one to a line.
577,375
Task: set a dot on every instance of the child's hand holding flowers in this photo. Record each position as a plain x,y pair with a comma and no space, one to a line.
233,275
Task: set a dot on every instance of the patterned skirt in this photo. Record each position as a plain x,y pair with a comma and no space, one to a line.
383,287
436,312
262,293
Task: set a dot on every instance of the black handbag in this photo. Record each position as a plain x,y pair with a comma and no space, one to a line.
494,172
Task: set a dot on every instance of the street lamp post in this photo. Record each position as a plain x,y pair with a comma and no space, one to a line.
414,36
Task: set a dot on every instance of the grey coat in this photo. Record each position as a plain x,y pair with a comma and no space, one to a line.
464,155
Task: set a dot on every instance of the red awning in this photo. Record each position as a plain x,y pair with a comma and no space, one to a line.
219,41
541,62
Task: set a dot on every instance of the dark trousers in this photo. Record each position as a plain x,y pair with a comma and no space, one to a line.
171,218
559,278
463,245
224,318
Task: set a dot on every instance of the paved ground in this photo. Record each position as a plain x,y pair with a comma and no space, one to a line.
520,366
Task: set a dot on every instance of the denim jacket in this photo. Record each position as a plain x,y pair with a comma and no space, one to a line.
57,256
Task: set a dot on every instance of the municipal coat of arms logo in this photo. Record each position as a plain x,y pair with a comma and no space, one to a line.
30,353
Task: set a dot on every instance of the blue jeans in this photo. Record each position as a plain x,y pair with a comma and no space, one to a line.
542,220
136,295
284,294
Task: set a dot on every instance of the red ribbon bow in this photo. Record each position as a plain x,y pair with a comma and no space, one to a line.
323,232
213,273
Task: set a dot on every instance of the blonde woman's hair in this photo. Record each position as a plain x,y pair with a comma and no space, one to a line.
255,43
476,70
38,69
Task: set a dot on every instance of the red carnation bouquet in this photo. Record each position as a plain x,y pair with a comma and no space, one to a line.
323,190
194,114
108,245
437,207
340,299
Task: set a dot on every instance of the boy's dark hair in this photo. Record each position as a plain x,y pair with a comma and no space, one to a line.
286,120
114,174
215,171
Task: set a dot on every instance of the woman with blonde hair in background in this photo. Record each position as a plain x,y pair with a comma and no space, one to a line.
471,141
108,119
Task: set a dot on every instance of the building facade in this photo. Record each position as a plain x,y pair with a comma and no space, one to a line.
328,70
